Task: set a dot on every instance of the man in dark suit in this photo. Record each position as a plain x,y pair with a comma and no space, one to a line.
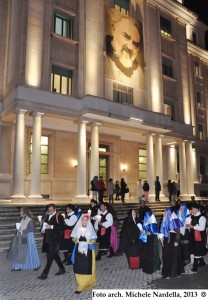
53,227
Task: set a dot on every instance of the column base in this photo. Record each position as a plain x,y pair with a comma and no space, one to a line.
184,197
18,196
35,196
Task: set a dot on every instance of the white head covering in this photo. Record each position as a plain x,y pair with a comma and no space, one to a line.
88,232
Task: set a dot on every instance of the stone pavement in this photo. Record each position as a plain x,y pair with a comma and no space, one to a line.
111,274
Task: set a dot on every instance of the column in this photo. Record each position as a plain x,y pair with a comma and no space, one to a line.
150,166
19,154
35,183
159,160
190,171
94,164
182,163
172,163
81,167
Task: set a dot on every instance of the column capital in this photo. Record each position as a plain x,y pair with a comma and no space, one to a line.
96,124
37,114
21,111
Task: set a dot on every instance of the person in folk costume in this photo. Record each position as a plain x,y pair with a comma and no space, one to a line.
185,217
170,237
27,227
53,226
83,257
114,234
104,223
93,210
67,244
129,241
42,220
150,259
197,237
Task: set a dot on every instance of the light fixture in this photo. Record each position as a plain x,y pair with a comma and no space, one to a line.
123,167
135,119
74,163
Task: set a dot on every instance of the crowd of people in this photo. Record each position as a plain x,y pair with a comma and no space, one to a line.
84,238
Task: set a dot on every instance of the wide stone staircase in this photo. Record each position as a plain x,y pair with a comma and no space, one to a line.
9,215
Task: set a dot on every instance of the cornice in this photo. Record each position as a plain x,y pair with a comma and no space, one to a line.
197,51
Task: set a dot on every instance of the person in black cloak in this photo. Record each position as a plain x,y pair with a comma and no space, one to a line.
129,241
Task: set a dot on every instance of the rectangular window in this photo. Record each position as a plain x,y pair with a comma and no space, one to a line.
165,26
167,66
61,81
143,163
44,154
199,101
197,71
201,131
122,94
122,6
63,25
194,37
202,165
169,109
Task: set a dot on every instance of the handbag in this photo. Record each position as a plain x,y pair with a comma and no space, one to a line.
197,236
126,190
67,234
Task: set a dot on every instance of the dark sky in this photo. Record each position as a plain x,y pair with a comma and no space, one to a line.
200,7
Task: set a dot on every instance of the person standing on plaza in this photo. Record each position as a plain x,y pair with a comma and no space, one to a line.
30,258
117,190
110,190
101,189
129,242
67,244
83,257
157,189
139,190
170,237
53,226
197,237
174,191
105,222
146,189
170,189
93,211
94,188
123,189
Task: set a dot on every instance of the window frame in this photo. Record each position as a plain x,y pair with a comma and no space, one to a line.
142,164
171,104
122,94
41,154
167,70
62,73
69,20
123,6
164,29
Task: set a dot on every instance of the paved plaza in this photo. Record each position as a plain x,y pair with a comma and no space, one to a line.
111,274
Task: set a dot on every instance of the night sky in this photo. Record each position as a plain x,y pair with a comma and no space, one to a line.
200,7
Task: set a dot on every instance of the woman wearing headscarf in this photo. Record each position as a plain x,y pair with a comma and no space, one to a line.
30,260
83,256
150,259
170,237
185,217
129,243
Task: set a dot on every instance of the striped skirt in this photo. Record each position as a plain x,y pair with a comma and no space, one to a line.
32,258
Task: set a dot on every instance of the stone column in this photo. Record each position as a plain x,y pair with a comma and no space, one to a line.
159,161
19,155
82,157
150,166
182,163
35,183
172,163
189,165
94,164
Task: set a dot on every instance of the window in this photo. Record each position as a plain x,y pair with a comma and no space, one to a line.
122,6
44,154
199,101
194,37
201,131
169,109
122,94
63,25
165,26
167,66
143,163
197,68
202,165
61,81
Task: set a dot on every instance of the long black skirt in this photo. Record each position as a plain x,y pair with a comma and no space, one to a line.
150,259
83,263
172,263
104,240
184,247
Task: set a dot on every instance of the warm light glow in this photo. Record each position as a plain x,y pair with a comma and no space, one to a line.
34,43
123,167
135,119
155,90
74,163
